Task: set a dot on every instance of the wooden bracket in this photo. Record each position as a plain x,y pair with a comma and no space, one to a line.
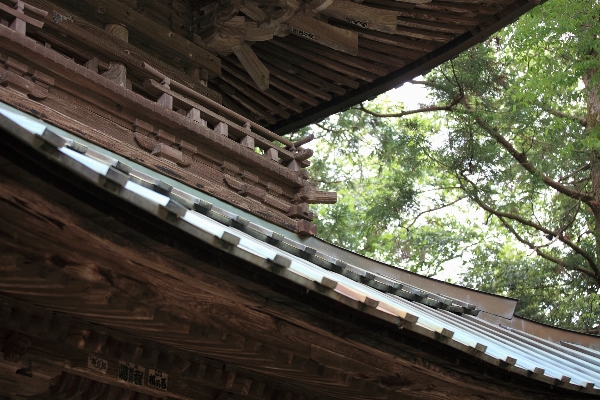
255,68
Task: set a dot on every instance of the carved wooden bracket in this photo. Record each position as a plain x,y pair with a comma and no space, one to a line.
15,347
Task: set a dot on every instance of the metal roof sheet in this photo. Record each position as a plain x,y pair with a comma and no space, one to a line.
447,320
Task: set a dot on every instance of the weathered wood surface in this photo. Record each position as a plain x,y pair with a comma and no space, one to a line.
362,16
94,38
324,34
173,301
183,36
112,11
257,71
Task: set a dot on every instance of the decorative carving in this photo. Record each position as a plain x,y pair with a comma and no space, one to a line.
15,347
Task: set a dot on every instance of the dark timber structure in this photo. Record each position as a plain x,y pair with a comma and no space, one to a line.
156,239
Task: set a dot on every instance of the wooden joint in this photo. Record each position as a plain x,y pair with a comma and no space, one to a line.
165,100
300,211
248,141
306,228
272,154
222,129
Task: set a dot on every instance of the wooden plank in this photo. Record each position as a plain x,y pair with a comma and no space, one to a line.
388,49
257,71
302,74
113,11
236,70
431,25
344,58
20,15
327,62
362,16
257,96
307,65
320,32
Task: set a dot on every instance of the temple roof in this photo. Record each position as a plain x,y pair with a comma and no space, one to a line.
466,324
281,63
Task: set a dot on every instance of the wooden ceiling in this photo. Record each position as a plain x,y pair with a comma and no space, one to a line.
290,62
281,63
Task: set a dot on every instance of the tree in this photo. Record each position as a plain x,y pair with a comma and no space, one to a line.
514,132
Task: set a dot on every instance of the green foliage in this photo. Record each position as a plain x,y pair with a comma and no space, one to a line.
505,181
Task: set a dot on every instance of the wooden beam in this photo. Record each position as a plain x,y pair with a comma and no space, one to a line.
306,76
376,57
237,70
389,49
258,97
20,15
488,9
241,98
298,83
431,25
113,11
327,62
320,32
257,71
273,48
423,34
343,58
101,41
362,16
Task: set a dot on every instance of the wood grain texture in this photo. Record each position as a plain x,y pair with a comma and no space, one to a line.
362,16
255,68
320,32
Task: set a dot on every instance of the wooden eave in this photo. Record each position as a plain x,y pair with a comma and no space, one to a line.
276,74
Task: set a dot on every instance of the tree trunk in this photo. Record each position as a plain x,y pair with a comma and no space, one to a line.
592,89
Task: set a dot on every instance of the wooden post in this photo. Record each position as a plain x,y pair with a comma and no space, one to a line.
222,128
248,141
117,71
18,24
272,154
165,99
194,114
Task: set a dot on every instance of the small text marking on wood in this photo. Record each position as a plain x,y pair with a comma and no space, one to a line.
97,363
131,373
158,379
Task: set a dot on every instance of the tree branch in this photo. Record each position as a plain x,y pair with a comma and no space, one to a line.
531,224
447,107
522,159
561,114
545,255
432,210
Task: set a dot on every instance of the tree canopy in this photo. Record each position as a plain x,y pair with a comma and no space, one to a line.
499,174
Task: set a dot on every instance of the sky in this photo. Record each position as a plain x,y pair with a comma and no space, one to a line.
409,94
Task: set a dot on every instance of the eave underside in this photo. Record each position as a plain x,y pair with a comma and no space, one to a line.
303,80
